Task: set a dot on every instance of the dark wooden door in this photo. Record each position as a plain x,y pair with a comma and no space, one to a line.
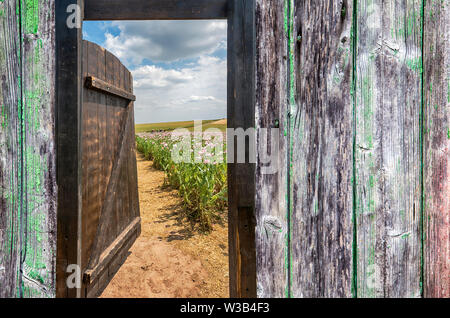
110,221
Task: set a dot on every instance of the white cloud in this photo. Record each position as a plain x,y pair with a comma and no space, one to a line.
165,41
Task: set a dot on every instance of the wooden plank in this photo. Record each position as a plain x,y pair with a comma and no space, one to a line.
92,170
95,83
115,195
27,152
320,150
85,160
68,142
132,169
241,114
108,254
39,153
436,90
271,188
387,148
110,128
10,150
155,9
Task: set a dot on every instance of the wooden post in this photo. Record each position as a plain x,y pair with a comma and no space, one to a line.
241,176
436,147
27,149
68,131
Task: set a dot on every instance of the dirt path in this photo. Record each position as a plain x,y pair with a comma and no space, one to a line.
170,259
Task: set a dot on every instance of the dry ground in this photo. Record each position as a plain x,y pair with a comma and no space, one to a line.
170,258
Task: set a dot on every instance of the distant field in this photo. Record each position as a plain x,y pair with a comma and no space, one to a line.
216,123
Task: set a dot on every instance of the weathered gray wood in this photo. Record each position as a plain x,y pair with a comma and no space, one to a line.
271,186
320,133
155,9
387,148
27,149
241,176
68,143
436,89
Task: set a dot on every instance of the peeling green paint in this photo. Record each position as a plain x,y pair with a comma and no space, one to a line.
354,43
31,8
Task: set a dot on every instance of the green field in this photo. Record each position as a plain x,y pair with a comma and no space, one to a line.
216,123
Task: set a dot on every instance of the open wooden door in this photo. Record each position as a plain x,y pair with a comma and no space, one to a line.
110,220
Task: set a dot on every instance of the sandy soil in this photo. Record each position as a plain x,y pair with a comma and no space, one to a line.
170,258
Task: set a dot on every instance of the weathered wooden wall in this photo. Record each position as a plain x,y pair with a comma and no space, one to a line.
27,149
361,204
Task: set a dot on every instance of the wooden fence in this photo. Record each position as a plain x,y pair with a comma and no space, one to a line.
360,90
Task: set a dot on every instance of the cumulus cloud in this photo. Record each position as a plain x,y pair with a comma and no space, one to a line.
179,67
196,91
165,41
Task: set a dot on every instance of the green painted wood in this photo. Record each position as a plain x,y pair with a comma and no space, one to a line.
241,176
27,149
436,89
387,154
320,147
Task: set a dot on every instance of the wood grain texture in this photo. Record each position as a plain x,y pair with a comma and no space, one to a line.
109,174
27,149
155,9
271,114
387,148
95,83
320,134
241,181
436,149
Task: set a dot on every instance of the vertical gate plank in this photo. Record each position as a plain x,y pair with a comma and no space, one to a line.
437,149
102,124
387,148
321,149
241,177
271,187
27,149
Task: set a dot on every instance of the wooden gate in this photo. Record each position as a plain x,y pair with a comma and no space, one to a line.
110,204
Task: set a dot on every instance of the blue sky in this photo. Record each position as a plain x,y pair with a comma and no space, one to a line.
178,67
